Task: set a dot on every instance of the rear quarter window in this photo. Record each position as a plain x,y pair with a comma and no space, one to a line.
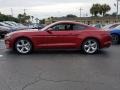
79,27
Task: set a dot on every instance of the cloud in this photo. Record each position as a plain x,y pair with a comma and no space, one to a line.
28,3
61,9
46,8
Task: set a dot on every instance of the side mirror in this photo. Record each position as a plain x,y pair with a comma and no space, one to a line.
49,30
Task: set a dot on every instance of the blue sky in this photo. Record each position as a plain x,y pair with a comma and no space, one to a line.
46,8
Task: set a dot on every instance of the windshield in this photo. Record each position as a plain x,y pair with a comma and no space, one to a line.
110,26
118,27
48,26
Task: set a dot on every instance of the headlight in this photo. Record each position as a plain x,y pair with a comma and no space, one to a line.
8,36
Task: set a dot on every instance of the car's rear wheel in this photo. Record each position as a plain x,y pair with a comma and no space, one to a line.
90,46
23,46
115,39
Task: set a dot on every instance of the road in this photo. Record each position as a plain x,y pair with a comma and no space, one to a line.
60,70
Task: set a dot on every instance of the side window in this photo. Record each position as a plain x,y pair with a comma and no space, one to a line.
79,27
62,27
58,27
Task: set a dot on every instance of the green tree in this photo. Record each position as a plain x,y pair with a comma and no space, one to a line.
95,9
71,16
7,18
24,18
114,14
105,9
99,9
42,21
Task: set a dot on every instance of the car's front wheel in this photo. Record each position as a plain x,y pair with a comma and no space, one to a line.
90,46
23,46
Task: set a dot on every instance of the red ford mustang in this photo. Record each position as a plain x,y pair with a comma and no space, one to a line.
59,35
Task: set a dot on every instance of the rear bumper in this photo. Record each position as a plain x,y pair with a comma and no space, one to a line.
107,44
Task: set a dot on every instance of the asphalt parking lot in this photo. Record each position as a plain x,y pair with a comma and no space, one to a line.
60,70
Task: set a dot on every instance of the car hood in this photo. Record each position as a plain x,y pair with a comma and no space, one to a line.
22,31
115,29
26,30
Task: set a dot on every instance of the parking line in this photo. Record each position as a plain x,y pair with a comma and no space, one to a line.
2,40
1,56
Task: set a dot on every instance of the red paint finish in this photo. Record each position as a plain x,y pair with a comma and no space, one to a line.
52,38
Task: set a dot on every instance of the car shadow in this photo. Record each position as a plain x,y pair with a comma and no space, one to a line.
55,52
56,55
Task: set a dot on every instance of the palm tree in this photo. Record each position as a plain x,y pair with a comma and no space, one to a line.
105,9
99,9
92,11
95,9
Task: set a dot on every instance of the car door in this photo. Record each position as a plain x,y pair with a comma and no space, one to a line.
60,36
63,36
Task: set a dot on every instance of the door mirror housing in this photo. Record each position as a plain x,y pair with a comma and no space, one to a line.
49,30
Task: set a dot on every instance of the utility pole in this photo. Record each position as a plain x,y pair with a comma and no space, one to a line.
118,7
80,11
12,12
25,11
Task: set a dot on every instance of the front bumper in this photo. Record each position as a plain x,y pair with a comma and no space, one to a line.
8,43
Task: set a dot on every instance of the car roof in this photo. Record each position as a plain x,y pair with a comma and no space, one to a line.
68,22
60,22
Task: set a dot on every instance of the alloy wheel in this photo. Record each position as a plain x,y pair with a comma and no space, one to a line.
90,46
23,46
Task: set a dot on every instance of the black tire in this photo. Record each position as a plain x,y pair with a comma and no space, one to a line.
115,39
2,36
26,48
90,48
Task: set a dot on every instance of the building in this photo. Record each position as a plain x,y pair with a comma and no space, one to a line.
87,20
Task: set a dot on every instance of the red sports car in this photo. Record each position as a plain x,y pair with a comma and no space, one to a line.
59,35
